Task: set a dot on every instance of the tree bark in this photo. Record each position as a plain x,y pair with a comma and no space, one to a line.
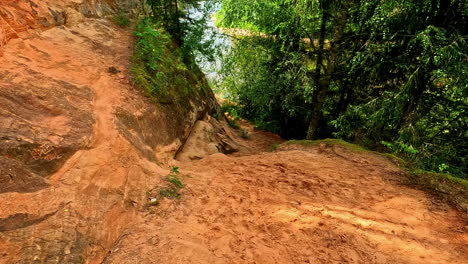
323,81
177,22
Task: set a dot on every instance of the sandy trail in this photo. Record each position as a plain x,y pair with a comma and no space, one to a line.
289,206
297,206
90,199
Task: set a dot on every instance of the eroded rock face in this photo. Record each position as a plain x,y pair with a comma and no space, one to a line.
14,177
20,16
207,137
44,120
79,145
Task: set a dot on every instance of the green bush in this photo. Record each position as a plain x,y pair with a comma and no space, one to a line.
159,68
121,20
150,45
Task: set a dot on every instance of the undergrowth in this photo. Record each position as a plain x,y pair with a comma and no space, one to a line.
121,20
160,69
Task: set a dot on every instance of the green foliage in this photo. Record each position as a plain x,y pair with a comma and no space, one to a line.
121,20
151,43
270,95
399,81
185,21
231,114
158,67
168,13
174,180
232,123
174,169
400,147
231,110
170,191
426,112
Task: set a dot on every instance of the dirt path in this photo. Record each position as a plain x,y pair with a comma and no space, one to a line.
290,206
297,206
88,203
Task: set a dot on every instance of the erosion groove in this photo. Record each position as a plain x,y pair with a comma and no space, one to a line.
21,220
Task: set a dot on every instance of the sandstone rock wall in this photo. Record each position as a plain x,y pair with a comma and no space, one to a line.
48,92
20,16
79,144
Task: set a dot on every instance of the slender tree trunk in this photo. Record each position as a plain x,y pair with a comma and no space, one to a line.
166,20
177,22
321,47
346,94
325,79
423,80
347,89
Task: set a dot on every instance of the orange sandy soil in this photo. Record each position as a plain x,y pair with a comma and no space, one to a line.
296,205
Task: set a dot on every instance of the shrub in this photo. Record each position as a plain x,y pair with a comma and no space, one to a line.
159,69
121,20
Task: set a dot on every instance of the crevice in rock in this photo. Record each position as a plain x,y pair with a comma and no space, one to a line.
22,220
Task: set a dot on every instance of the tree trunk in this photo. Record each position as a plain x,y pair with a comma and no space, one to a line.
178,34
321,48
346,95
325,79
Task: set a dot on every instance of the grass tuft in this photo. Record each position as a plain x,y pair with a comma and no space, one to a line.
170,191
121,20
273,147
174,180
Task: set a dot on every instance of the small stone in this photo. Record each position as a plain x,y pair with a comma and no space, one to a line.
112,70
153,200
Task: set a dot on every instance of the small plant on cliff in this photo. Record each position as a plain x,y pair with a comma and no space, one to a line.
174,169
158,67
121,20
171,190
175,181
151,43
175,184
